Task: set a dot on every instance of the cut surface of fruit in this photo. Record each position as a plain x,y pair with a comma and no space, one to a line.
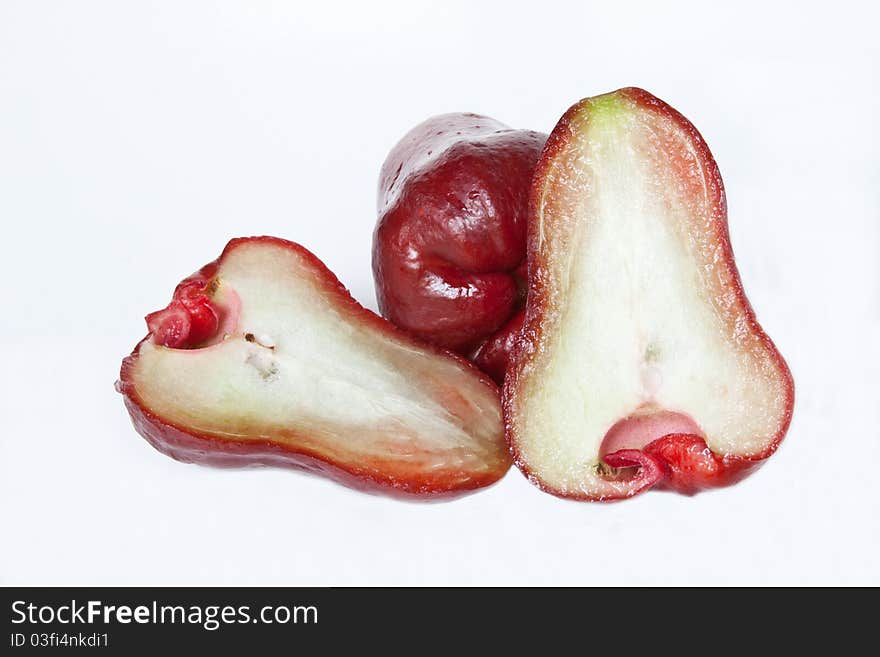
300,374
641,362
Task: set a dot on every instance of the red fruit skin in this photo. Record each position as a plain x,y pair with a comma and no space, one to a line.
451,234
493,356
678,463
189,446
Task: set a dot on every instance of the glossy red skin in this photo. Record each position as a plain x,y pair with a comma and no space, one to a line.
677,461
493,356
186,445
451,235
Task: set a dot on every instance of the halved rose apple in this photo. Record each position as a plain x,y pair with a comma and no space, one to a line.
263,357
641,362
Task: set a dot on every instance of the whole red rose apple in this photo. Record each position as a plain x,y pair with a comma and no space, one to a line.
450,244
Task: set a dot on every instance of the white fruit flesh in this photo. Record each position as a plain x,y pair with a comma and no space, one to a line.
300,369
642,309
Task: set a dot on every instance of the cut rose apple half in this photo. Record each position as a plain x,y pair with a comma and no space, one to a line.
641,363
263,357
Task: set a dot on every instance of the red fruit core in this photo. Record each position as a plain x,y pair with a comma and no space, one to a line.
191,320
663,446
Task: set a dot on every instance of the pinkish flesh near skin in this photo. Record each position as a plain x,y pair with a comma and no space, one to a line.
644,427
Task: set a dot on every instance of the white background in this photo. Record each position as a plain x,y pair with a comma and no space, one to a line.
136,138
